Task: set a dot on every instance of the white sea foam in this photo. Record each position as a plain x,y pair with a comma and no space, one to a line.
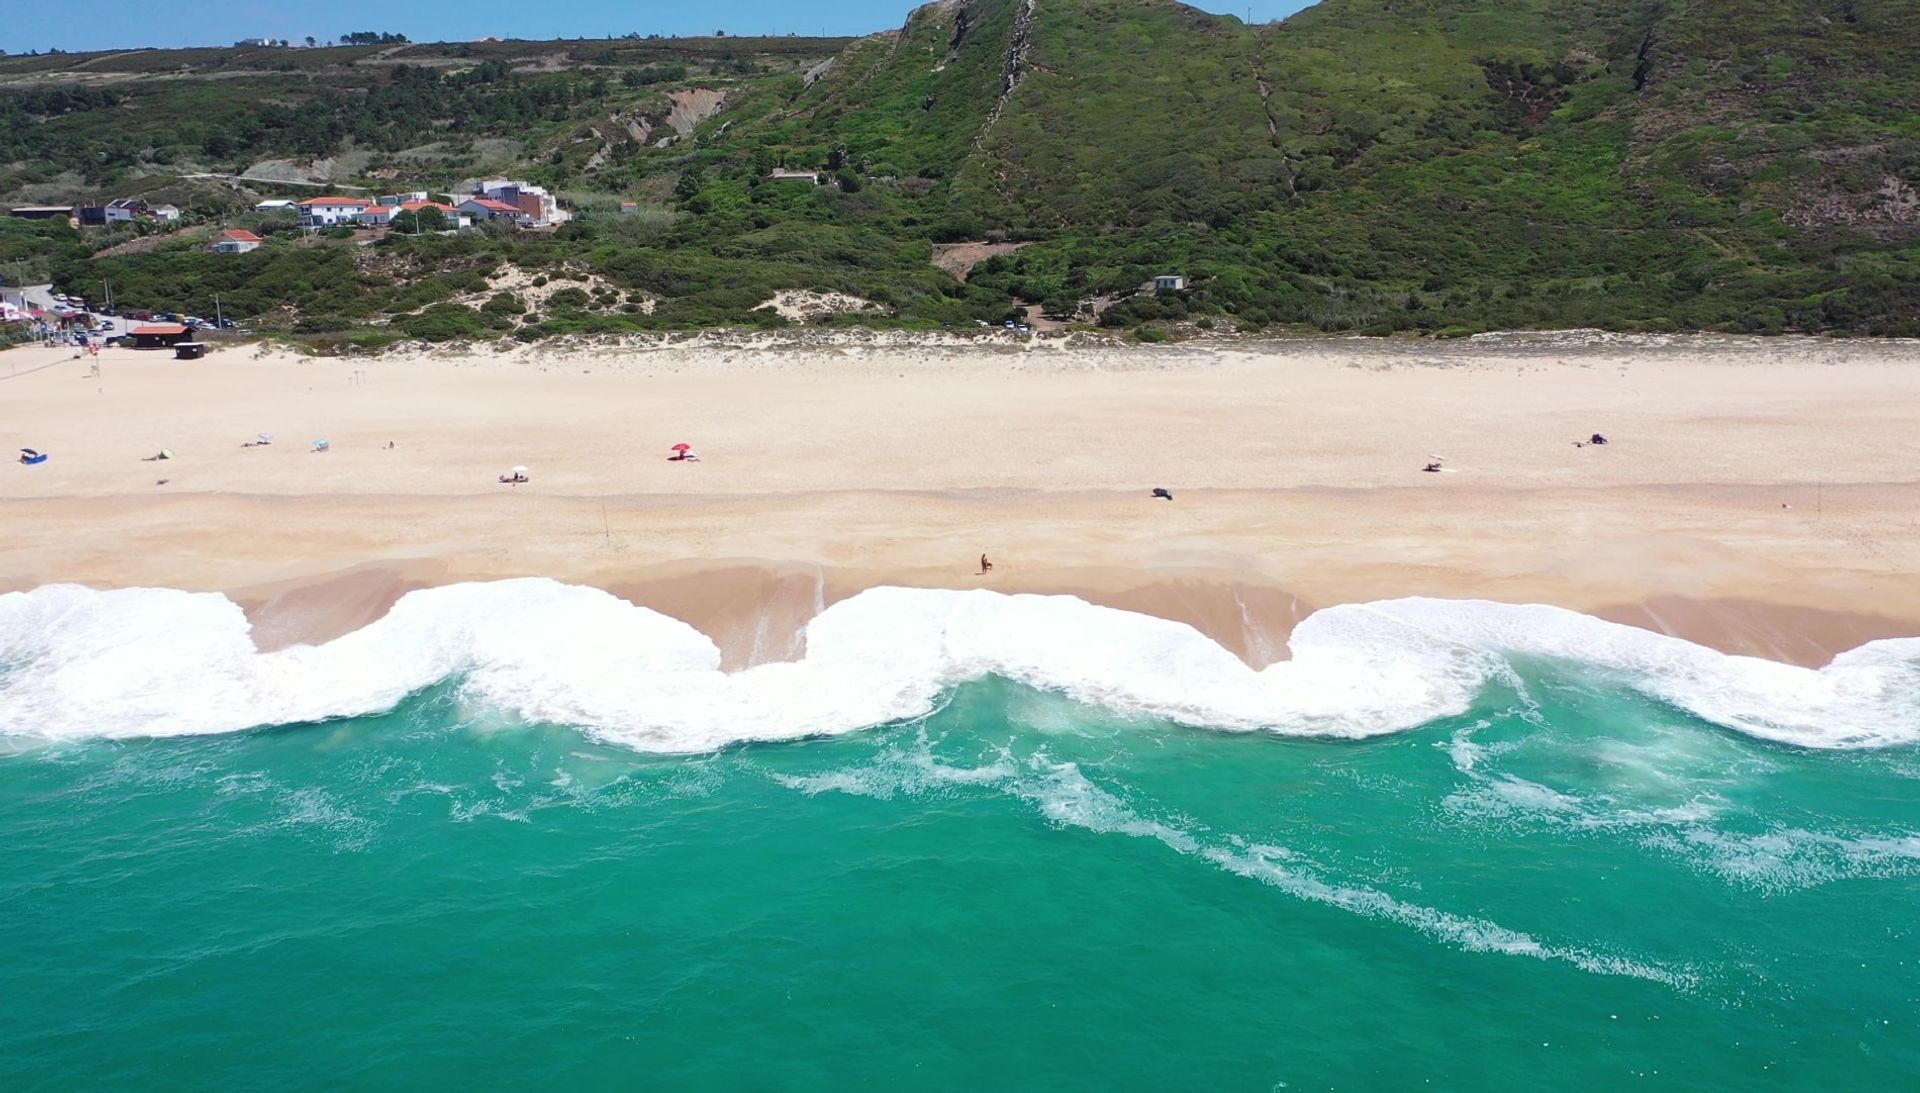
154,662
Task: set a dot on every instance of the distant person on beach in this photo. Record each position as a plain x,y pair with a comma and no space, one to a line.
1162,493
985,566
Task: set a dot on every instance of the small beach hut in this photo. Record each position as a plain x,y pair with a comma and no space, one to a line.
158,335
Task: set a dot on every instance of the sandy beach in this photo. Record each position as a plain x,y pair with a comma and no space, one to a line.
1758,495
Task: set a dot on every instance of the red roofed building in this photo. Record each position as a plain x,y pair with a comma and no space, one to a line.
377,215
235,241
326,212
486,208
158,335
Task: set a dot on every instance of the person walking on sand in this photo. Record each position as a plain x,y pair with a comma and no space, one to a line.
985,566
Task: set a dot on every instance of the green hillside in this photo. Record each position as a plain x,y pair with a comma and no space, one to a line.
1378,165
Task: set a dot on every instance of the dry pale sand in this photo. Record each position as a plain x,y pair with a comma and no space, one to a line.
1759,495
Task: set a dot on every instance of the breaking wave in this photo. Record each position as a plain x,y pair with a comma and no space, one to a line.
76,662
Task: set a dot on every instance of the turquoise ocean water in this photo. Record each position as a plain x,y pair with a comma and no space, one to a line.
1569,886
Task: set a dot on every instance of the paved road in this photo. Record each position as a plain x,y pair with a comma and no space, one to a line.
40,296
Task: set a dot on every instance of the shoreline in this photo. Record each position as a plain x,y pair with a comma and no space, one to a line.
1757,496
756,612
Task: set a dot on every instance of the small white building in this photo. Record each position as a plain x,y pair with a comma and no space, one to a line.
378,216
327,212
235,241
402,199
165,214
276,204
1169,282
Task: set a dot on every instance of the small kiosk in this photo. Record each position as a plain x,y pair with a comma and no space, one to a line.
189,351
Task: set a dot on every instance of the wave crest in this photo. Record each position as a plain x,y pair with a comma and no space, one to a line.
157,662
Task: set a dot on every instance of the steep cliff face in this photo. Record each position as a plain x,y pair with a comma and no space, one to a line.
1050,113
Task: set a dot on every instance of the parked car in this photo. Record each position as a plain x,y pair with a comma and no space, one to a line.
143,316
108,325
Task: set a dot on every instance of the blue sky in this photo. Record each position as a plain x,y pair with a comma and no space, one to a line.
125,24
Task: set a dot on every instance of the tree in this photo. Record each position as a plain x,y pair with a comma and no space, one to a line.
310,41
422,220
689,185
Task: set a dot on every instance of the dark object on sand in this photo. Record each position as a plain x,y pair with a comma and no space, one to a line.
1596,439
984,564
1163,493
32,458
1431,468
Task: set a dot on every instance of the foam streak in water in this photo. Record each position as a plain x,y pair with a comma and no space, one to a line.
153,662
1064,795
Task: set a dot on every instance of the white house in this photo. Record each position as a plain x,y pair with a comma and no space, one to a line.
538,207
126,209
402,199
487,208
1169,282
235,241
166,214
378,215
326,212
275,204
